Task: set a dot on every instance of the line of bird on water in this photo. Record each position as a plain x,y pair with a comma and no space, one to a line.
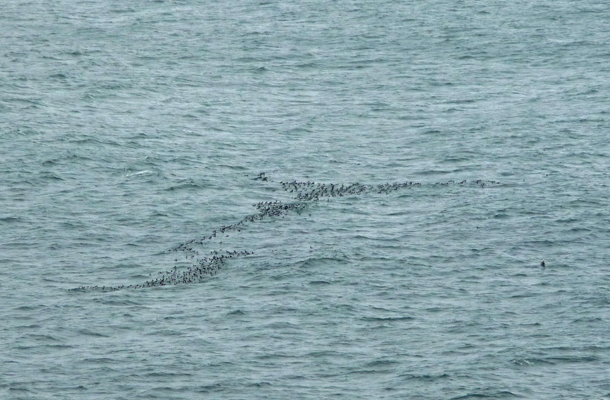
207,266
314,191
305,192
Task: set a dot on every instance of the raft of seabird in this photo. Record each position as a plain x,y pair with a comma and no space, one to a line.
304,193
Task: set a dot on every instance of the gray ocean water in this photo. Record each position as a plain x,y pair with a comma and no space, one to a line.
132,130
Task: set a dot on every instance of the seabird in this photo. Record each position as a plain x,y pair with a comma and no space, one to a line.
543,264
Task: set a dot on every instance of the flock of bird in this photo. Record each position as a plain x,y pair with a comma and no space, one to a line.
202,267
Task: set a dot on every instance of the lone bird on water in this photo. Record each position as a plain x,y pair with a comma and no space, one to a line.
543,264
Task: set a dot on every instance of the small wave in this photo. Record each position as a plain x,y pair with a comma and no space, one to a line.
10,220
91,333
526,362
502,394
404,318
146,172
381,363
100,360
424,377
185,186
217,387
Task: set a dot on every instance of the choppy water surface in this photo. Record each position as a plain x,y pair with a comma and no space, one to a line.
379,181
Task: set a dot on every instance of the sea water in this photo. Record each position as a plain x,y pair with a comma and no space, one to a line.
133,134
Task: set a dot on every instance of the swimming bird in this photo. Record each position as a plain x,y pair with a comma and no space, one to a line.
543,264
